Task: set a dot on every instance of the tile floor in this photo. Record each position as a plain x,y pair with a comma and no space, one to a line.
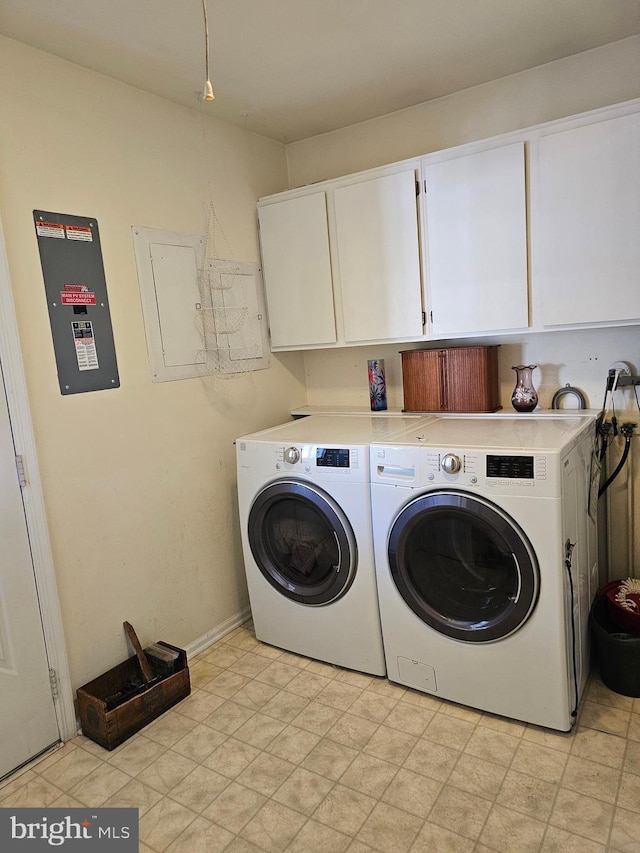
275,752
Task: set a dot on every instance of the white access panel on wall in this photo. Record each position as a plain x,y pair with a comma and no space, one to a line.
168,278
175,278
201,316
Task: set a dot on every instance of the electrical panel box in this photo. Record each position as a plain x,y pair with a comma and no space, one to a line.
76,292
202,315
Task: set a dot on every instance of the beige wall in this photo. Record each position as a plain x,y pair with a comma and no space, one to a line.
139,482
595,78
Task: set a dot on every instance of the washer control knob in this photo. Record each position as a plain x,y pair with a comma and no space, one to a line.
450,463
291,455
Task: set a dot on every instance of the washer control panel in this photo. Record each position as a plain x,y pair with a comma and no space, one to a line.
313,456
348,463
493,469
526,473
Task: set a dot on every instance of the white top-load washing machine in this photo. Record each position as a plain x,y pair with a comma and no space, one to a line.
305,516
486,559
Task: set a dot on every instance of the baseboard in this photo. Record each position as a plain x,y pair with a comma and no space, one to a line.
217,633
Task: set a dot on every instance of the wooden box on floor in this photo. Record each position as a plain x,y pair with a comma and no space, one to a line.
110,728
456,379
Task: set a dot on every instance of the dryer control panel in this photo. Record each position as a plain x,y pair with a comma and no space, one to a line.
504,473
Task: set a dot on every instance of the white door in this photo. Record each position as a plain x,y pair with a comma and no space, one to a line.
378,256
476,234
585,251
28,722
296,268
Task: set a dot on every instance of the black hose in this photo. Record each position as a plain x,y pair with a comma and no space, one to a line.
618,468
567,563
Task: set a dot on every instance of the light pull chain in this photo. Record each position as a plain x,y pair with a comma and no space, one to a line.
208,88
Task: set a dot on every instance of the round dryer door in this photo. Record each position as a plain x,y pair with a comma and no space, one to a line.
463,566
302,542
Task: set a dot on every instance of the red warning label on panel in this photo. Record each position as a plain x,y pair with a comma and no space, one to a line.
77,294
78,298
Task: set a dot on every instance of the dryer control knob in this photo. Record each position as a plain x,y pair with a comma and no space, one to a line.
450,463
291,455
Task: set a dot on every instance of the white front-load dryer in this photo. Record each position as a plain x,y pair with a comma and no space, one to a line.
305,516
487,562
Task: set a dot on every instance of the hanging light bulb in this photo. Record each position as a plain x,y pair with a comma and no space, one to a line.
208,88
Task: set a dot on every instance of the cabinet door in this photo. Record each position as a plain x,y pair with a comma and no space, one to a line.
476,235
377,255
585,223
470,377
297,271
422,384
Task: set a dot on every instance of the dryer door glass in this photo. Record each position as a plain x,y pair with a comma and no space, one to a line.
302,542
463,566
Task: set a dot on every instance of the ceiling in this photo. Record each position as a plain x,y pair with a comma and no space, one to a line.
290,69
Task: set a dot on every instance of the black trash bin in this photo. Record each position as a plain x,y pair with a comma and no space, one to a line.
618,653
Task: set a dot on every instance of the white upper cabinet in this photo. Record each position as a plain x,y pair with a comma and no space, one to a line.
297,271
341,262
537,229
377,258
585,223
476,241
